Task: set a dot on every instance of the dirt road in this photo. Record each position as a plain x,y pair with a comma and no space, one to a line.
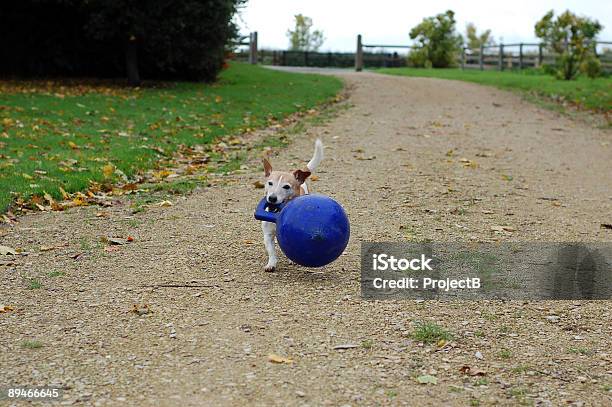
411,159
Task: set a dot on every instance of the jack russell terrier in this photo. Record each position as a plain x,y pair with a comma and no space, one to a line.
280,187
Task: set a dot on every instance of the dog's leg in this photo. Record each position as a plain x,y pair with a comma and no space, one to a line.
269,232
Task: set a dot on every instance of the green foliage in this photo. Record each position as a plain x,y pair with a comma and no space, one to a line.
595,94
63,135
430,333
178,39
591,66
438,43
571,37
475,40
302,37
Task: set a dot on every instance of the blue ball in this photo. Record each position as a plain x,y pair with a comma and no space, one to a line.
312,230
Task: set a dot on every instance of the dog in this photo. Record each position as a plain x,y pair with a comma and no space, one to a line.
280,187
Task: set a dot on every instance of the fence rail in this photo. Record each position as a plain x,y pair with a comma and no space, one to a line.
492,57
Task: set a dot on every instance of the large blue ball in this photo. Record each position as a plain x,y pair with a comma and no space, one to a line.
312,230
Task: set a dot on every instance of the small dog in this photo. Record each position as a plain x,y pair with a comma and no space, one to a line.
280,187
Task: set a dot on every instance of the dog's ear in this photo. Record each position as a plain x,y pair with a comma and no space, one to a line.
301,175
267,167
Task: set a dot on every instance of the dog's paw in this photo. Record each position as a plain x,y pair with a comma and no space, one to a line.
270,268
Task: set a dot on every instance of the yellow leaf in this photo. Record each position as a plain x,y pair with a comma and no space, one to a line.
279,359
64,193
108,170
73,145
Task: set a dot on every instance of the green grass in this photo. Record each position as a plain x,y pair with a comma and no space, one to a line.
594,94
34,284
430,333
31,344
56,274
56,135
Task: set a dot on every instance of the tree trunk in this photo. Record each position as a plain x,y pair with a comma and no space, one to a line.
131,62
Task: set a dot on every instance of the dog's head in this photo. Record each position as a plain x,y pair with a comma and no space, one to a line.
281,186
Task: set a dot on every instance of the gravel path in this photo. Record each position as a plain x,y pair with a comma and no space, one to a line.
411,159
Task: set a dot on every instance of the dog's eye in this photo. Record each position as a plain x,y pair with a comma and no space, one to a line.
286,187
270,183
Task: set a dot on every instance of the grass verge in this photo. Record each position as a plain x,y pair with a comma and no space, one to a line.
592,94
68,134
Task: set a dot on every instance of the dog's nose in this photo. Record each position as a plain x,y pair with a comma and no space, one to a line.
272,199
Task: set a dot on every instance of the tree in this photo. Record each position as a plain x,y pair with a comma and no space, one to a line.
302,38
438,43
475,40
571,37
156,39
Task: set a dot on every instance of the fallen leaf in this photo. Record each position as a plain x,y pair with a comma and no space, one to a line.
76,256
141,309
165,204
314,177
47,248
345,346
4,250
427,379
258,184
108,170
116,240
502,228
5,308
279,359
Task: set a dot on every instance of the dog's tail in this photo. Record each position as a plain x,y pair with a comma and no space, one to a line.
316,157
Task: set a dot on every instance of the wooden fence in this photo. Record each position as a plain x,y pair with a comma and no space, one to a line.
500,57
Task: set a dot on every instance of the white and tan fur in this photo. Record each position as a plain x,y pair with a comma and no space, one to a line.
282,186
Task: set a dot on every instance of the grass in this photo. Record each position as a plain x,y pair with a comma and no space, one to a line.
56,274
31,344
34,284
594,94
60,134
430,333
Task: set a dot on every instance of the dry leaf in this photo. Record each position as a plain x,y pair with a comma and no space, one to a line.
116,240
258,184
314,178
502,228
5,308
165,204
345,346
108,170
427,379
279,359
4,250
141,309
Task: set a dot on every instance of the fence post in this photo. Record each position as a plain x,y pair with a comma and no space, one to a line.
481,57
305,58
521,55
501,57
284,58
462,57
359,55
253,48
329,59
540,55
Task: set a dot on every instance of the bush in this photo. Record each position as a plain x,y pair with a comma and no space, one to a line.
160,39
438,42
591,67
571,37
